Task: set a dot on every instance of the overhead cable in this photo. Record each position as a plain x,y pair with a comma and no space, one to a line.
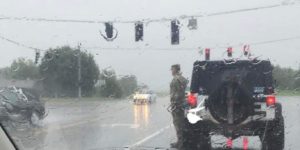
20,44
155,48
147,20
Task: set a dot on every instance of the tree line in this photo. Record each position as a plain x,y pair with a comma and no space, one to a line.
57,75
287,78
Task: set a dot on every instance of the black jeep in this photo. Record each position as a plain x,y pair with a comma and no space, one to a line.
233,99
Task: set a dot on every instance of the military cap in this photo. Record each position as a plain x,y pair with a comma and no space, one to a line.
176,67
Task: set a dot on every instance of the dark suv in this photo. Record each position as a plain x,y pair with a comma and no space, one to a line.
233,98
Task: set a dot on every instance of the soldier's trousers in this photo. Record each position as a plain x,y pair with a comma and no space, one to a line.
178,121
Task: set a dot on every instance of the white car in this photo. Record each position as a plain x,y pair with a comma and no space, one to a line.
144,97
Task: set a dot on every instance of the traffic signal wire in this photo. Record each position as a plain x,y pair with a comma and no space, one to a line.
152,48
20,44
145,20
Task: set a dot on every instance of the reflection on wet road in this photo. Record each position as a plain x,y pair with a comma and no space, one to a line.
141,114
106,124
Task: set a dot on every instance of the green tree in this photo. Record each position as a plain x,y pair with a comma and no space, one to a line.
297,81
21,69
128,84
5,73
286,77
59,69
112,87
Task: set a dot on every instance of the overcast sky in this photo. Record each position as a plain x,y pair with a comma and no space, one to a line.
152,66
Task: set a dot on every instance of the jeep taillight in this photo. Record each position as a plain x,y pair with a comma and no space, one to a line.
192,100
207,54
270,100
229,51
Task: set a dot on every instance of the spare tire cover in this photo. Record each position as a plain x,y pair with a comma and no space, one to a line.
218,102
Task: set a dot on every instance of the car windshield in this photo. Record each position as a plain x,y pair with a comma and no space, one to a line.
150,74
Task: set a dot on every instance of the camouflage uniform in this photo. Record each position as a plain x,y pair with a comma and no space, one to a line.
177,94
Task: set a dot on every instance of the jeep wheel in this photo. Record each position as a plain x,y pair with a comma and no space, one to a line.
203,141
195,139
274,136
199,141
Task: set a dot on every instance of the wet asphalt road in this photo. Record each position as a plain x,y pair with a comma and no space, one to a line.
116,124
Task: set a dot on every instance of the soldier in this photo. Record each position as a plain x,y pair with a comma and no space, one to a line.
177,95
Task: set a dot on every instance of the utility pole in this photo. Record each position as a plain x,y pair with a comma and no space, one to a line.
79,71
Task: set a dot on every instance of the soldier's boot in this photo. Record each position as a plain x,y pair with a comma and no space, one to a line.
180,140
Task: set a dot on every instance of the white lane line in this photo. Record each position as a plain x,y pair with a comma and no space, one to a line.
151,136
133,126
56,126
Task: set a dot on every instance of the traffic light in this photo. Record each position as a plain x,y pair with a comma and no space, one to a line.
246,49
175,32
37,56
139,31
192,25
109,32
109,29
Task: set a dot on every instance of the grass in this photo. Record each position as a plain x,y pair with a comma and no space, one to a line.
288,93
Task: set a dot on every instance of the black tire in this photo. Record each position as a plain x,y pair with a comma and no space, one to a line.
203,141
274,136
199,141
196,138
278,111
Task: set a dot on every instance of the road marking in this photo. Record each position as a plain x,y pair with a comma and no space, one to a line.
151,136
133,126
56,127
